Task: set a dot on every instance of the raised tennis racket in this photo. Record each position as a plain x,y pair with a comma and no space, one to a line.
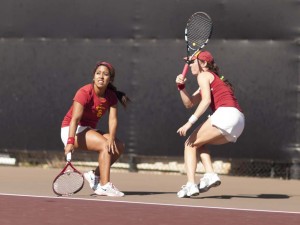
69,181
197,34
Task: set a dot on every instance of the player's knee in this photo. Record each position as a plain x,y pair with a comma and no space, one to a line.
101,147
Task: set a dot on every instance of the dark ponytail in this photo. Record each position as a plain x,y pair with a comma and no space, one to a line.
123,99
215,69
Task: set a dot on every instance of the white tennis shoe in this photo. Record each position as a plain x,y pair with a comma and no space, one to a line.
209,180
108,190
92,179
188,190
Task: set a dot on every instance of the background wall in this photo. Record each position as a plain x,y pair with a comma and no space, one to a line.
49,48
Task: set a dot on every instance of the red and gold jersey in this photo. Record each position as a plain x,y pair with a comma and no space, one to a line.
94,107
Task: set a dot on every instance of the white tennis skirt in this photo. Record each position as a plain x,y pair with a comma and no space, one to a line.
230,121
64,133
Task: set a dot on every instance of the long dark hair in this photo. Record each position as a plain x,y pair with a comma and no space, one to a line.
212,66
123,99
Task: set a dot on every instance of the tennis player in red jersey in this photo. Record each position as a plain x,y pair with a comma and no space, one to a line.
78,130
225,124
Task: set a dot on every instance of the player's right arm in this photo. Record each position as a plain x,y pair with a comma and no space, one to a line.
76,117
187,100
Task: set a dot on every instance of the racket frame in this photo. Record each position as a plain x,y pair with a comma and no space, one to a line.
189,48
68,164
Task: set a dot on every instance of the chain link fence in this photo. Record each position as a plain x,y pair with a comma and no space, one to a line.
136,163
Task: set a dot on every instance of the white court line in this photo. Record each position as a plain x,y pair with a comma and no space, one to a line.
149,203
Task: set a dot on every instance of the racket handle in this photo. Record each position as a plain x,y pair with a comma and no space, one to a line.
185,69
184,72
69,157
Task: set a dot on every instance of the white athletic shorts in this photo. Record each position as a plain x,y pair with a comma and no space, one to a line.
64,132
230,121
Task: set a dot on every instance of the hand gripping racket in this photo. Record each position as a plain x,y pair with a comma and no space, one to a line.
197,34
69,181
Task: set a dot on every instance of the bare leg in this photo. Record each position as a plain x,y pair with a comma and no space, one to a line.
202,135
206,162
190,159
94,141
114,157
104,160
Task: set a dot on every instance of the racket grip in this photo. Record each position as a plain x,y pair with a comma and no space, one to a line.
184,72
185,69
69,157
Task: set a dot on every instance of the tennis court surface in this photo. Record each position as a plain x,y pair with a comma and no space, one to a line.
26,197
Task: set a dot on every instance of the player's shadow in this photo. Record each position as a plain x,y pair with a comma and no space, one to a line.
142,193
147,192
260,196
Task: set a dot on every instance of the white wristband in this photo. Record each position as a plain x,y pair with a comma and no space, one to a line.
193,119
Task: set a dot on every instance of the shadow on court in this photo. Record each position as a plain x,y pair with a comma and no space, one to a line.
147,193
141,193
260,196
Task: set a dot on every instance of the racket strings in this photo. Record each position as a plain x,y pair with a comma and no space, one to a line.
199,29
68,183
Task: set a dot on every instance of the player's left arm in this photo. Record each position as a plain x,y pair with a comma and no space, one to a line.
112,126
204,84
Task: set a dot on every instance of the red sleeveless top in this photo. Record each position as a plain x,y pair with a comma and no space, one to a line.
222,95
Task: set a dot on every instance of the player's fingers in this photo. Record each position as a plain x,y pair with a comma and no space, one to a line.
116,149
180,79
113,149
68,149
180,132
107,147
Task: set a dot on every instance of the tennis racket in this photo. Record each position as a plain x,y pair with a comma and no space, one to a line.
69,181
197,34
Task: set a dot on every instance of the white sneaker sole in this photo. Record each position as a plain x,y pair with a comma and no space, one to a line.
195,194
215,184
187,196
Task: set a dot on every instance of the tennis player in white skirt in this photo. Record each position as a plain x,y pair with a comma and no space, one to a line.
225,124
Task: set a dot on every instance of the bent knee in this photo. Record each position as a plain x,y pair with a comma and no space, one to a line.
195,145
